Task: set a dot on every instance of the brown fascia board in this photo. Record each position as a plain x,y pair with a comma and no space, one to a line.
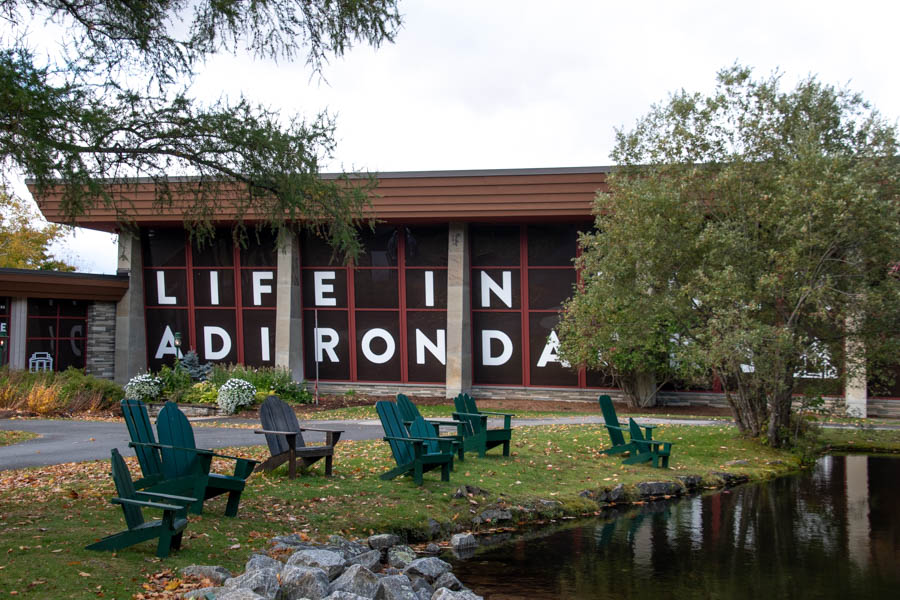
25,283
510,195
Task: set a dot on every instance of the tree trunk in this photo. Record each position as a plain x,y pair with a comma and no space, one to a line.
748,405
779,431
639,389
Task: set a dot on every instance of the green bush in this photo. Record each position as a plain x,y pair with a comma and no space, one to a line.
73,391
75,383
204,392
176,382
268,380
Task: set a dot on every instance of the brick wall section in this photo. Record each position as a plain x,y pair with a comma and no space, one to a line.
100,360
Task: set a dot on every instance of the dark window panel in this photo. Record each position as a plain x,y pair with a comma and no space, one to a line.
549,288
70,353
217,252
377,354
72,328
163,247
599,379
379,246
545,367
258,287
496,288
426,246
214,284
42,328
259,338
73,308
216,335
162,325
375,288
418,284
261,249
494,245
432,370
315,252
4,306
504,354
42,307
552,245
173,292
324,288
335,347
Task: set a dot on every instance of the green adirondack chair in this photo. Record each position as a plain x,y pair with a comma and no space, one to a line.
284,437
180,456
191,482
646,448
410,412
616,429
413,454
168,529
477,435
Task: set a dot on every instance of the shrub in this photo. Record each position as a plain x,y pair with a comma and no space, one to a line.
191,364
204,392
234,394
44,399
144,387
175,382
86,392
272,380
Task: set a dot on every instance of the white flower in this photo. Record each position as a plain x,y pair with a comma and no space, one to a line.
143,387
235,393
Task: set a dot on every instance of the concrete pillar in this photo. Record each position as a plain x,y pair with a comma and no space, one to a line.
855,384
459,313
288,314
18,321
131,333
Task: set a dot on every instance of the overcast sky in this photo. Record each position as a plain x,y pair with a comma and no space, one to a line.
513,84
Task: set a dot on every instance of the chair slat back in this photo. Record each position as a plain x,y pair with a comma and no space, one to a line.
125,489
420,428
636,434
470,404
174,429
461,406
408,410
277,415
609,416
392,423
141,431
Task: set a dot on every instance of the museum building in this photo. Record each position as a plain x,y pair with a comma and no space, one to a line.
458,288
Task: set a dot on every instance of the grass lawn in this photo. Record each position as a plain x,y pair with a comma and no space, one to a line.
14,437
47,515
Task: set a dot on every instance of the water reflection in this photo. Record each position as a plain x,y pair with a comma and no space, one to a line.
833,532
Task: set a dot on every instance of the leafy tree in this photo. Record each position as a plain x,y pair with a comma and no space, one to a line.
22,244
114,104
760,226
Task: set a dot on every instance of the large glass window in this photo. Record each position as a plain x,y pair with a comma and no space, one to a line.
4,330
218,296
382,318
55,334
514,338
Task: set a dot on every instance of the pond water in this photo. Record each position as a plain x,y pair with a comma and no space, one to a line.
832,532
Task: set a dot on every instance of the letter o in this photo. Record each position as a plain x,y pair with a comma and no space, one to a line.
388,353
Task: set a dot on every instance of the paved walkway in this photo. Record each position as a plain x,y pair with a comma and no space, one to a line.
64,441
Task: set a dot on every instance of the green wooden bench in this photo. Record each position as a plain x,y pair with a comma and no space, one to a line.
410,412
616,429
477,436
647,449
414,451
284,437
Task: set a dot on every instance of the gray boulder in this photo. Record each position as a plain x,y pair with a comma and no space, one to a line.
430,568
291,540
383,540
357,580
330,562
445,594
463,540
422,587
395,587
261,561
493,515
263,582
370,560
304,582
216,574
617,494
449,581
339,595
433,549
240,594
649,489
346,547
400,556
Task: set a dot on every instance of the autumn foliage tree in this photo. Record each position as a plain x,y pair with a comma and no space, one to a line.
753,227
25,239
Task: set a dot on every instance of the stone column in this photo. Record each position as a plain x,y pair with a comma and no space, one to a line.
18,321
856,394
288,316
459,313
100,354
131,334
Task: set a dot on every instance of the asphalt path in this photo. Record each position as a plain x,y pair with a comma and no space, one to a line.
65,441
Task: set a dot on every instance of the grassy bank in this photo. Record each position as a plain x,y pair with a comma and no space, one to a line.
48,515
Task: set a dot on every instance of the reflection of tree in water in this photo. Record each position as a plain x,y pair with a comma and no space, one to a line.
785,538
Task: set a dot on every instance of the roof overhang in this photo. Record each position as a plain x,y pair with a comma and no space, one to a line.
62,285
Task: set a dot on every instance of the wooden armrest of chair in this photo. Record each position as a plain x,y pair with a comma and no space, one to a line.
185,499
146,503
286,433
